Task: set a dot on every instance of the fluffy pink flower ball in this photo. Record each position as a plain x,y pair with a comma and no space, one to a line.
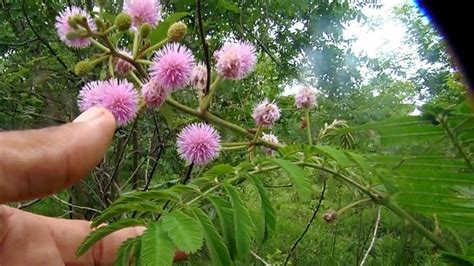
199,76
198,143
266,113
172,67
272,139
118,96
90,95
121,66
235,60
63,27
143,11
305,98
153,95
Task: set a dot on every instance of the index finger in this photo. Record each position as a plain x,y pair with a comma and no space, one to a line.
36,163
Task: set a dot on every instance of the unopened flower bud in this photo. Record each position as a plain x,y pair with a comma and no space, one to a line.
76,20
145,30
82,68
330,216
123,21
177,31
72,35
100,24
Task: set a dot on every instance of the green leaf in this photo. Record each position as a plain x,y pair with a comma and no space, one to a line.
244,227
269,214
115,210
104,231
152,195
219,170
360,161
228,5
299,177
123,254
214,242
226,220
157,247
185,232
456,259
160,33
337,155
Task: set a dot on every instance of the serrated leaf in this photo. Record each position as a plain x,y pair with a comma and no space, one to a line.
337,155
157,247
226,221
219,170
123,253
360,161
269,214
214,242
185,232
104,231
298,176
161,31
115,210
244,227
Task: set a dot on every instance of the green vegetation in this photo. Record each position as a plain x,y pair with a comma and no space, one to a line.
372,166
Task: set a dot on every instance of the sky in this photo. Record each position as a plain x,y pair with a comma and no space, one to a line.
386,35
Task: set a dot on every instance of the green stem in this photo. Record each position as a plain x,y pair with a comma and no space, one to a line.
136,41
153,47
352,205
231,148
208,97
99,45
111,66
232,144
419,227
136,79
308,127
455,142
144,62
219,122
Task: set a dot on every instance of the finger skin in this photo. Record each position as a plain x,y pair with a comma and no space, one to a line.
27,238
36,163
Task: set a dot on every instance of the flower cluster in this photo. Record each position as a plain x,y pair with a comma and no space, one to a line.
198,143
305,98
266,113
143,11
172,67
153,94
123,67
65,21
272,139
118,96
235,60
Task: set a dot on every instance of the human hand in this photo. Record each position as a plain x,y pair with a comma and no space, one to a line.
36,163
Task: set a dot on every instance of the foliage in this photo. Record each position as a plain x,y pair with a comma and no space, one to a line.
369,150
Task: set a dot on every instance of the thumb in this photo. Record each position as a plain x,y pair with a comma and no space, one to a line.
35,163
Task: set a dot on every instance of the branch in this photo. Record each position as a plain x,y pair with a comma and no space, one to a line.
19,43
260,259
75,206
51,50
310,222
204,45
374,236
28,204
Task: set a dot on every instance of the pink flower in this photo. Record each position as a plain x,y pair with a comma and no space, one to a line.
305,98
265,114
123,67
272,139
63,27
90,95
118,96
143,11
153,94
172,67
199,76
198,143
235,60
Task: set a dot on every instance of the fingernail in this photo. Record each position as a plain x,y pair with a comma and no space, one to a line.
89,115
